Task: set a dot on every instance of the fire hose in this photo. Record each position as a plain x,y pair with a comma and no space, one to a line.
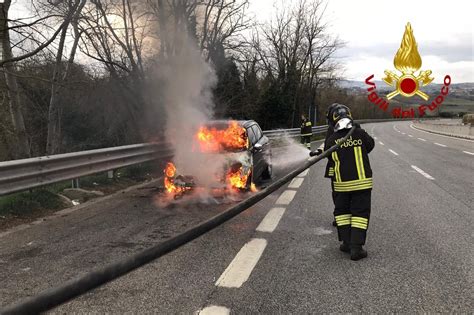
71,289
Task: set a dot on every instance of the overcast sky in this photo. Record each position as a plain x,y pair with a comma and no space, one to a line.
373,30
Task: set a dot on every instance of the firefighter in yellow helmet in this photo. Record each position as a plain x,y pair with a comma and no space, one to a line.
306,132
352,182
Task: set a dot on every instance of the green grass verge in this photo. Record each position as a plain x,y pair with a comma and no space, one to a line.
25,203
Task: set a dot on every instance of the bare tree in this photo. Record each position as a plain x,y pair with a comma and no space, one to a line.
222,24
72,11
114,33
21,150
294,50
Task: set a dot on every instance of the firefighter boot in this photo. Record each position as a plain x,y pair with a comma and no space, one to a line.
357,252
345,247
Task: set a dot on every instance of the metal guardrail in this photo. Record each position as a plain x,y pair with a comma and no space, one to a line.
293,132
20,175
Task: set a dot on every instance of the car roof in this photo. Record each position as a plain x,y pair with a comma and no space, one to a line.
222,122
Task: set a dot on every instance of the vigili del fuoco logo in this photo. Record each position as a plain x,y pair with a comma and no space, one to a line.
408,83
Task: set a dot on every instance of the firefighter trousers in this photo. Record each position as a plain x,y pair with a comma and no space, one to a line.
352,212
306,140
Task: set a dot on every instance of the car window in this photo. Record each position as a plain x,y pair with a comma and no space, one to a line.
258,132
252,137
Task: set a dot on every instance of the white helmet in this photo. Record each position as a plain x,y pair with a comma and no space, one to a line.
343,123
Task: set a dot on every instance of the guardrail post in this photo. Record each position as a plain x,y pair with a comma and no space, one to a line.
75,183
110,174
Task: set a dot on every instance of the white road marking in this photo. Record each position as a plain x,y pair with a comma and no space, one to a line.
375,138
393,151
215,310
441,145
438,135
286,197
421,139
296,182
271,220
395,128
241,267
303,174
419,170
403,133
381,143
468,152
410,136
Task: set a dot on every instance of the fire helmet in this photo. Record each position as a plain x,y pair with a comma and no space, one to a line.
329,114
341,117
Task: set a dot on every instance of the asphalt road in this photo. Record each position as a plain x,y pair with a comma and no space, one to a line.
420,244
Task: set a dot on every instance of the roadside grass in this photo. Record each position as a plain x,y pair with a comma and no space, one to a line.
25,203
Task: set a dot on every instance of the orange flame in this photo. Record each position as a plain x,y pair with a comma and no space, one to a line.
237,179
170,173
215,140
407,59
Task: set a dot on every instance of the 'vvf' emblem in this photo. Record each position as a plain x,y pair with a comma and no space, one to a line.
408,61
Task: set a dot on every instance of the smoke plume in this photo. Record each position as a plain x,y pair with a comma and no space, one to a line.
186,83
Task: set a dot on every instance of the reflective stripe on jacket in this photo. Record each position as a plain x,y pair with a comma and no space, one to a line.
350,163
306,128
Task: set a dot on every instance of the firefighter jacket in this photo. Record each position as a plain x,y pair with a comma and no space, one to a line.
351,160
329,173
306,128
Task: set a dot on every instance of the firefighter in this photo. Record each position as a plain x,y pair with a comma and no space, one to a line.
352,181
306,132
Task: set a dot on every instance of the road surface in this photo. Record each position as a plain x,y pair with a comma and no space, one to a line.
281,255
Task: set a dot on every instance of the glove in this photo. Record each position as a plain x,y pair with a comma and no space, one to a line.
315,153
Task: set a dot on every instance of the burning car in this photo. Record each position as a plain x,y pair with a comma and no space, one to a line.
238,150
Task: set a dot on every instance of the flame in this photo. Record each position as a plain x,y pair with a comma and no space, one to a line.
407,59
236,178
214,140
170,170
170,174
253,188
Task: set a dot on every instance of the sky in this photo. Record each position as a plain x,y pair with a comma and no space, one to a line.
373,30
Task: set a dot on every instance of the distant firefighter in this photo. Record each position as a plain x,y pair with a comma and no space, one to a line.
306,131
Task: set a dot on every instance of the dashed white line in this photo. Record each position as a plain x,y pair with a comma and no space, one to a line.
410,136
241,267
303,174
286,197
441,145
381,143
419,170
375,138
271,220
215,310
467,152
296,182
393,151
421,139
403,133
